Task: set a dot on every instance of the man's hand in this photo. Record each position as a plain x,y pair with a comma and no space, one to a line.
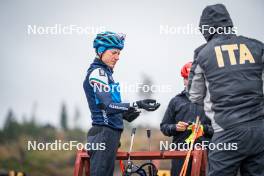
147,104
131,114
181,126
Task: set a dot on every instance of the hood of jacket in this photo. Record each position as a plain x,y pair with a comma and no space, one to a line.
214,16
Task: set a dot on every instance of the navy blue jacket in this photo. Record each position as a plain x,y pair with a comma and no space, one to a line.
180,108
103,96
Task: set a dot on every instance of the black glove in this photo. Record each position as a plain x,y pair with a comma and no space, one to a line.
131,114
148,104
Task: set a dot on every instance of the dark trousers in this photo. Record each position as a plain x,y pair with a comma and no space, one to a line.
102,162
249,156
176,166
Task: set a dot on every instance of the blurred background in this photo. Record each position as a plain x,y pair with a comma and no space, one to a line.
41,74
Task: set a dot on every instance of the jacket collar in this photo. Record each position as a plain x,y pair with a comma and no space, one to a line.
184,93
99,62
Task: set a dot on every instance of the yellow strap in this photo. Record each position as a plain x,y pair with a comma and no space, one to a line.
188,140
191,127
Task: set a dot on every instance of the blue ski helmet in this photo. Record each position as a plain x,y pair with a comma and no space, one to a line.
108,40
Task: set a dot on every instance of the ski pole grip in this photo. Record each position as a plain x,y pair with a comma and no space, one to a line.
148,133
133,131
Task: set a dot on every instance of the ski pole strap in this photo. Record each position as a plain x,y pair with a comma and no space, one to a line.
186,161
199,133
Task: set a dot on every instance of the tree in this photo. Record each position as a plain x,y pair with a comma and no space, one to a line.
11,128
64,117
10,119
76,117
33,113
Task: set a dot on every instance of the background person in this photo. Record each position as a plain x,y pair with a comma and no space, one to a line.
179,112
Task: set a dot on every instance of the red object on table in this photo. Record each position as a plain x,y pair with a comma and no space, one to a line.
199,160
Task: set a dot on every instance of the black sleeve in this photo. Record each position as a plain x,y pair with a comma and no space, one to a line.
263,53
208,129
197,50
168,124
263,68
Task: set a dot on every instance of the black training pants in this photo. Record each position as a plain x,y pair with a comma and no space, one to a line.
249,156
102,162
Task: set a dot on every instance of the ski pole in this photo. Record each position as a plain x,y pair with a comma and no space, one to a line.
129,163
186,162
149,141
132,139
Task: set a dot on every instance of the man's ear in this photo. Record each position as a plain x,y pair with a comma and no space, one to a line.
100,50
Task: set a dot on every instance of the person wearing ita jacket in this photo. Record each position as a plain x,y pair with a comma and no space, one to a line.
106,106
227,78
179,113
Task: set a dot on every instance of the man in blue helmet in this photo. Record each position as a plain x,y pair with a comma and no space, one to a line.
107,110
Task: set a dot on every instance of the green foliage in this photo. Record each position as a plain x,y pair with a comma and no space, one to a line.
64,117
11,127
14,154
12,130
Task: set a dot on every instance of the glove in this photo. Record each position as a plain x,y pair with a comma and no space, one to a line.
131,114
147,104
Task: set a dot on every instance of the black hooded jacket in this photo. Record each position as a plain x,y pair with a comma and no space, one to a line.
181,109
227,73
